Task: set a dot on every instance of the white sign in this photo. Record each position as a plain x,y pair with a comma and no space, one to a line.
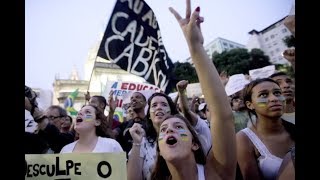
236,83
264,72
194,89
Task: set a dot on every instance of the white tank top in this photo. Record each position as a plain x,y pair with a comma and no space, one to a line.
200,172
269,164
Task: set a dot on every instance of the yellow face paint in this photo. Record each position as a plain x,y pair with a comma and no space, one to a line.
183,134
88,117
262,102
161,136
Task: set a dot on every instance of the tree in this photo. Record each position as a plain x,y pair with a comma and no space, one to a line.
258,59
234,61
240,61
185,71
289,41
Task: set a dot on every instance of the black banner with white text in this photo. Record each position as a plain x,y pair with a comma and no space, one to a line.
133,41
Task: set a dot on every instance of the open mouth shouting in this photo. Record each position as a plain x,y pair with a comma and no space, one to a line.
79,120
171,141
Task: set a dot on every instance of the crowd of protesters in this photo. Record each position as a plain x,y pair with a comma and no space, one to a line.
248,135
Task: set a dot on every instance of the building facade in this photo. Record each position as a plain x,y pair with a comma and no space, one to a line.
219,45
97,72
270,41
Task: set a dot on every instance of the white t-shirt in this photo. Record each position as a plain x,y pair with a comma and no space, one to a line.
204,135
103,145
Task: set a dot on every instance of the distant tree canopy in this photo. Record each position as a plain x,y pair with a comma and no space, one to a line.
185,71
289,41
240,61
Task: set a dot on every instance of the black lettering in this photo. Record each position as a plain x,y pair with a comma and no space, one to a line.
100,172
58,171
76,168
36,170
52,170
42,166
69,165
28,174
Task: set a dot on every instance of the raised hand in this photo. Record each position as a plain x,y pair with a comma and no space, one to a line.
190,25
289,54
182,85
87,96
137,133
112,102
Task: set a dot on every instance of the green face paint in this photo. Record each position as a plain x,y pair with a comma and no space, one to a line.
183,134
262,102
166,109
88,117
161,136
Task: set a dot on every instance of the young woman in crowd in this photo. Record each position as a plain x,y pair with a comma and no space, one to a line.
143,153
92,130
262,147
179,158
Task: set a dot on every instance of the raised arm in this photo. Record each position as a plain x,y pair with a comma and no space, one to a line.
181,87
222,125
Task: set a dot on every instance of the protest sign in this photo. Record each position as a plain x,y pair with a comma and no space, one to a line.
76,166
133,41
264,72
236,83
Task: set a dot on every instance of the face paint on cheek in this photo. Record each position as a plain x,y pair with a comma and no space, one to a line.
262,102
282,98
161,136
88,117
167,109
183,134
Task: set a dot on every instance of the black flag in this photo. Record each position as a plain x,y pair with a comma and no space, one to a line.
133,41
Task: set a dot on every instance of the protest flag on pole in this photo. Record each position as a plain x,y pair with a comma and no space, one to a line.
68,103
132,40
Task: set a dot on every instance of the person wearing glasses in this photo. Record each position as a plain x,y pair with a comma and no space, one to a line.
49,124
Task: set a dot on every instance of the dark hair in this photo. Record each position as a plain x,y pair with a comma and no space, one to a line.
102,130
62,112
101,99
31,95
247,93
160,170
70,118
151,133
278,74
144,98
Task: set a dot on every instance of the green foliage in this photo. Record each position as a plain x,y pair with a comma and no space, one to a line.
185,71
240,61
258,59
285,68
289,41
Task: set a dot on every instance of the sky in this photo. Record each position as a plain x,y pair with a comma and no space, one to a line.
60,33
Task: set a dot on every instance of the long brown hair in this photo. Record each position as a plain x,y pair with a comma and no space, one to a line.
160,170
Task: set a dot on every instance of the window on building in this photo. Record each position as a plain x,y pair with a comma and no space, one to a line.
272,36
275,43
266,39
284,30
225,44
231,46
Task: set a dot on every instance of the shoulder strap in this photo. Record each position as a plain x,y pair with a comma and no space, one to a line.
256,141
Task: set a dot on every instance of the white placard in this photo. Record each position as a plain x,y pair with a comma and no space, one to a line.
236,83
264,72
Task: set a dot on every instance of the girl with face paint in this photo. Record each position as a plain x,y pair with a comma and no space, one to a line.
143,153
261,148
93,133
221,159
